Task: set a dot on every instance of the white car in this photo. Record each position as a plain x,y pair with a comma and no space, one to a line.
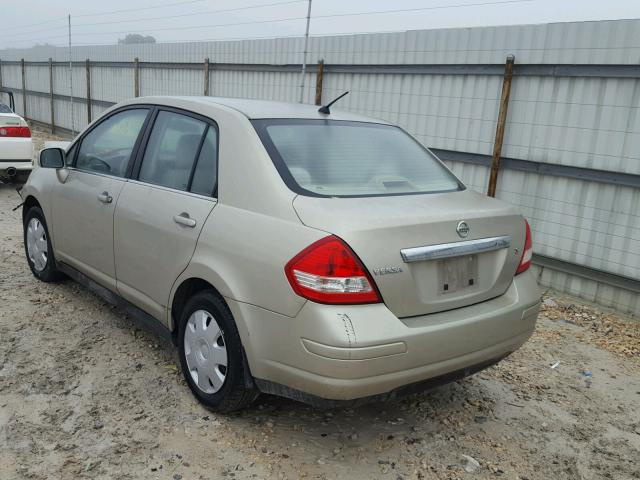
16,145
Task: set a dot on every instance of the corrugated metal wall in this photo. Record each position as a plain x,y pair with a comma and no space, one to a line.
585,122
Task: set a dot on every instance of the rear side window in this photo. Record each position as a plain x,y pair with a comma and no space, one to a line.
171,151
350,159
204,175
107,148
4,108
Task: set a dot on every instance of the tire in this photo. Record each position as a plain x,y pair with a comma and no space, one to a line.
36,238
212,340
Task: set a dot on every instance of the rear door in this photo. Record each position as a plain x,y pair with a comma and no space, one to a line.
83,204
163,207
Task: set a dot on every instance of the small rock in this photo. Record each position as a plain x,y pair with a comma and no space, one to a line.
98,424
470,464
550,302
177,476
480,419
355,435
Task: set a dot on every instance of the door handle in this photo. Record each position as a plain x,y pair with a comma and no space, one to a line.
104,197
185,220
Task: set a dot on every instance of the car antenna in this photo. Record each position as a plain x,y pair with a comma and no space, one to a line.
325,109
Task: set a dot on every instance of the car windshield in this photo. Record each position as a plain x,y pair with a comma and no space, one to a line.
4,108
346,159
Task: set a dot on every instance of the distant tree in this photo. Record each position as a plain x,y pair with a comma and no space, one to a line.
136,38
41,45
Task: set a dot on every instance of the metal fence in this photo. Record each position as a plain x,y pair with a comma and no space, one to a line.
571,152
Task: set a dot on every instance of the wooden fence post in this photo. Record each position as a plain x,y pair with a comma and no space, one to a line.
136,77
24,90
51,102
206,77
319,79
88,73
502,118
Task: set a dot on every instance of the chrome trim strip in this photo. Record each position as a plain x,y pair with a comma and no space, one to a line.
455,249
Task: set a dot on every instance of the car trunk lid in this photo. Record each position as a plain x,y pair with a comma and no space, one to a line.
11,120
411,245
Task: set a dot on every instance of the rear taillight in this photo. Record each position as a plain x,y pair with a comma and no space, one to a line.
328,271
15,132
527,252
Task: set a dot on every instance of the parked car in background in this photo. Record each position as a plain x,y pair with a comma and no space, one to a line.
323,256
16,146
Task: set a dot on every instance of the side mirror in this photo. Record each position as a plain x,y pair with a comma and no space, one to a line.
52,158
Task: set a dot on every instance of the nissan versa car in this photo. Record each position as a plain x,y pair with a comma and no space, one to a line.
317,255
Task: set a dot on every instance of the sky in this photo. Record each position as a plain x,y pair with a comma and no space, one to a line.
30,22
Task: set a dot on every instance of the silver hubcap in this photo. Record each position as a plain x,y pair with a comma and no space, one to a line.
205,351
37,247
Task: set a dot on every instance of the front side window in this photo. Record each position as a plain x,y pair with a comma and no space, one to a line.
68,157
347,159
107,148
171,151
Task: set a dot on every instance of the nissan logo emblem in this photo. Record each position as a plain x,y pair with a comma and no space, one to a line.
462,229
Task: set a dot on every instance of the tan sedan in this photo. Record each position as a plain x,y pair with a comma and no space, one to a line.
319,256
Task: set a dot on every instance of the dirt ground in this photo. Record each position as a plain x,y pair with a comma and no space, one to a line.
84,393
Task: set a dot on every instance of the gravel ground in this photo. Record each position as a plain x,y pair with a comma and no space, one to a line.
84,393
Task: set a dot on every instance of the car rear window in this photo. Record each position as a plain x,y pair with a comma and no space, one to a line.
346,159
5,109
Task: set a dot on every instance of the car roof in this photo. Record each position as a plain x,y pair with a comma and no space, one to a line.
260,109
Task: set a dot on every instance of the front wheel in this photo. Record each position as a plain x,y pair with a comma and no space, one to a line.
211,354
37,245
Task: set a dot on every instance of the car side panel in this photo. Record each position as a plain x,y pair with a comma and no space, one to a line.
242,254
39,187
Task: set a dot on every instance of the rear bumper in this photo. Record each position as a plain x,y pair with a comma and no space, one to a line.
22,165
281,390
16,149
350,352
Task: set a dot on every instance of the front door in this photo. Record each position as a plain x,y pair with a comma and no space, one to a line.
85,201
161,212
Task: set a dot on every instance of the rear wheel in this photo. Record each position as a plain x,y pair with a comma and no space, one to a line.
211,354
37,245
